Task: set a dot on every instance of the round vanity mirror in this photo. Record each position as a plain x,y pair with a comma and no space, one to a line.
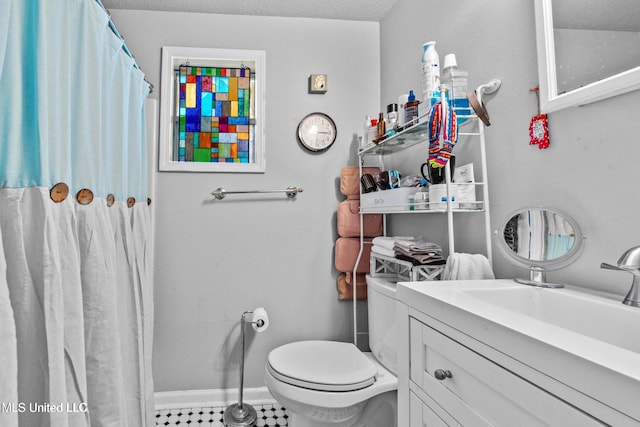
540,238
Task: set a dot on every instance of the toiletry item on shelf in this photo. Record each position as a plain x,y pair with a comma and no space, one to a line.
381,129
389,180
464,179
456,78
392,116
372,131
421,200
411,109
365,135
430,70
368,183
402,101
438,196
410,181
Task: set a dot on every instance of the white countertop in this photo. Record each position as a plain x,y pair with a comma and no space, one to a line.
588,342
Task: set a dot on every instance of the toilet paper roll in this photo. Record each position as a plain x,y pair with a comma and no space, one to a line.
260,320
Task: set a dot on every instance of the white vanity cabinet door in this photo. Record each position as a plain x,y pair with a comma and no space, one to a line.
480,391
421,415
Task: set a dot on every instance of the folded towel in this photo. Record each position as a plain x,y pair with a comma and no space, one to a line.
389,241
432,249
418,245
462,266
422,259
381,250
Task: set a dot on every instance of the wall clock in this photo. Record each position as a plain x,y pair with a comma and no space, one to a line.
317,132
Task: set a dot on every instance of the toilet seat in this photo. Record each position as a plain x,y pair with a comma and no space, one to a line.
329,366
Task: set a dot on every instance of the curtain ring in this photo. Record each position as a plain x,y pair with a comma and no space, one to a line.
84,196
59,192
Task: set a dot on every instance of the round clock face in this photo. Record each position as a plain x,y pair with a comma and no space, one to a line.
317,132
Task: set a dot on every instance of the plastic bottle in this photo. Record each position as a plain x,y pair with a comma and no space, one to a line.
373,131
411,109
392,116
430,70
456,78
402,101
365,136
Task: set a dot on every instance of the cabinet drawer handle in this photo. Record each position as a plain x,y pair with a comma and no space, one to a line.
442,374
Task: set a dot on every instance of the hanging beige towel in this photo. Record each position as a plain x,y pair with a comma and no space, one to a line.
350,179
345,287
346,254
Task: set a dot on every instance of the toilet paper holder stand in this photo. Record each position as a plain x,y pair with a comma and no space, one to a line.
242,414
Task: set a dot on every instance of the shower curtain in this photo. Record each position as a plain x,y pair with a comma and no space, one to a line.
76,308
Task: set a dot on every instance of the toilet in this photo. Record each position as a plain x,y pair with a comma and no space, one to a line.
330,383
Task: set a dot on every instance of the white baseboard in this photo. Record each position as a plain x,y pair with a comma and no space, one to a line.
210,398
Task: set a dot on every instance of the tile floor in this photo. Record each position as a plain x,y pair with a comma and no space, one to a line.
268,415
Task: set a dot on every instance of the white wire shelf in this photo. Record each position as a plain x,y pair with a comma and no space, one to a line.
394,268
415,134
412,208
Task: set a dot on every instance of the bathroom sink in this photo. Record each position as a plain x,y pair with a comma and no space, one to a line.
585,314
566,338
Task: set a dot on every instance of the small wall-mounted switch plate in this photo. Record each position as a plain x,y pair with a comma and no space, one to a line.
318,83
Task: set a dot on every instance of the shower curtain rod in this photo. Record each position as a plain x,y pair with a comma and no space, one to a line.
124,45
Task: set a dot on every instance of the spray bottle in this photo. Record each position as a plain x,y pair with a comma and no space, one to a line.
430,70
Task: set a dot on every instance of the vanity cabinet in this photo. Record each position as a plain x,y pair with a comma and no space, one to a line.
495,352
450,384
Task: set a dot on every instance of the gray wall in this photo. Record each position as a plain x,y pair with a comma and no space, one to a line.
590,169
279,254
215,260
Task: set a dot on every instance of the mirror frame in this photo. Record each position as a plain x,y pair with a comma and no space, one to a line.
553,264
550,101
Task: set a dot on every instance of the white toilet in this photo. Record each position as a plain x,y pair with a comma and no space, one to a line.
329,383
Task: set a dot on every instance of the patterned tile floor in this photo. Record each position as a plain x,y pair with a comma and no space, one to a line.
268,415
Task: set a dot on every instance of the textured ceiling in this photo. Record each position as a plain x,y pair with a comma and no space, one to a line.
359,10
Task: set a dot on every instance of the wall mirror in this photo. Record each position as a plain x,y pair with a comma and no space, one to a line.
540,238
588,50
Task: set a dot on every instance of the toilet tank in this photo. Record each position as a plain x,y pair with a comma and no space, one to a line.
383,322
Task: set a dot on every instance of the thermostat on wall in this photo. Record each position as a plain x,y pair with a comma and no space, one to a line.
317,83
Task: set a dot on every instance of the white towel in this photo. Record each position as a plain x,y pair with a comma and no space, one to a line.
462,266
389,241
419,245
381,250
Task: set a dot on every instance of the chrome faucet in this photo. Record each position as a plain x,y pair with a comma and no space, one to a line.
629,261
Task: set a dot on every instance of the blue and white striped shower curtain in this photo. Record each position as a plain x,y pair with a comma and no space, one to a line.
76,307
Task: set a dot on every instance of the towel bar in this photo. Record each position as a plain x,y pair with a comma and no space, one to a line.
291,192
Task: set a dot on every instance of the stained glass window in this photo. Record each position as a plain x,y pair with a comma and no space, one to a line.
212,110
215,115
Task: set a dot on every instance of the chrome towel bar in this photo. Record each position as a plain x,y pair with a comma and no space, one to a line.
291,192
